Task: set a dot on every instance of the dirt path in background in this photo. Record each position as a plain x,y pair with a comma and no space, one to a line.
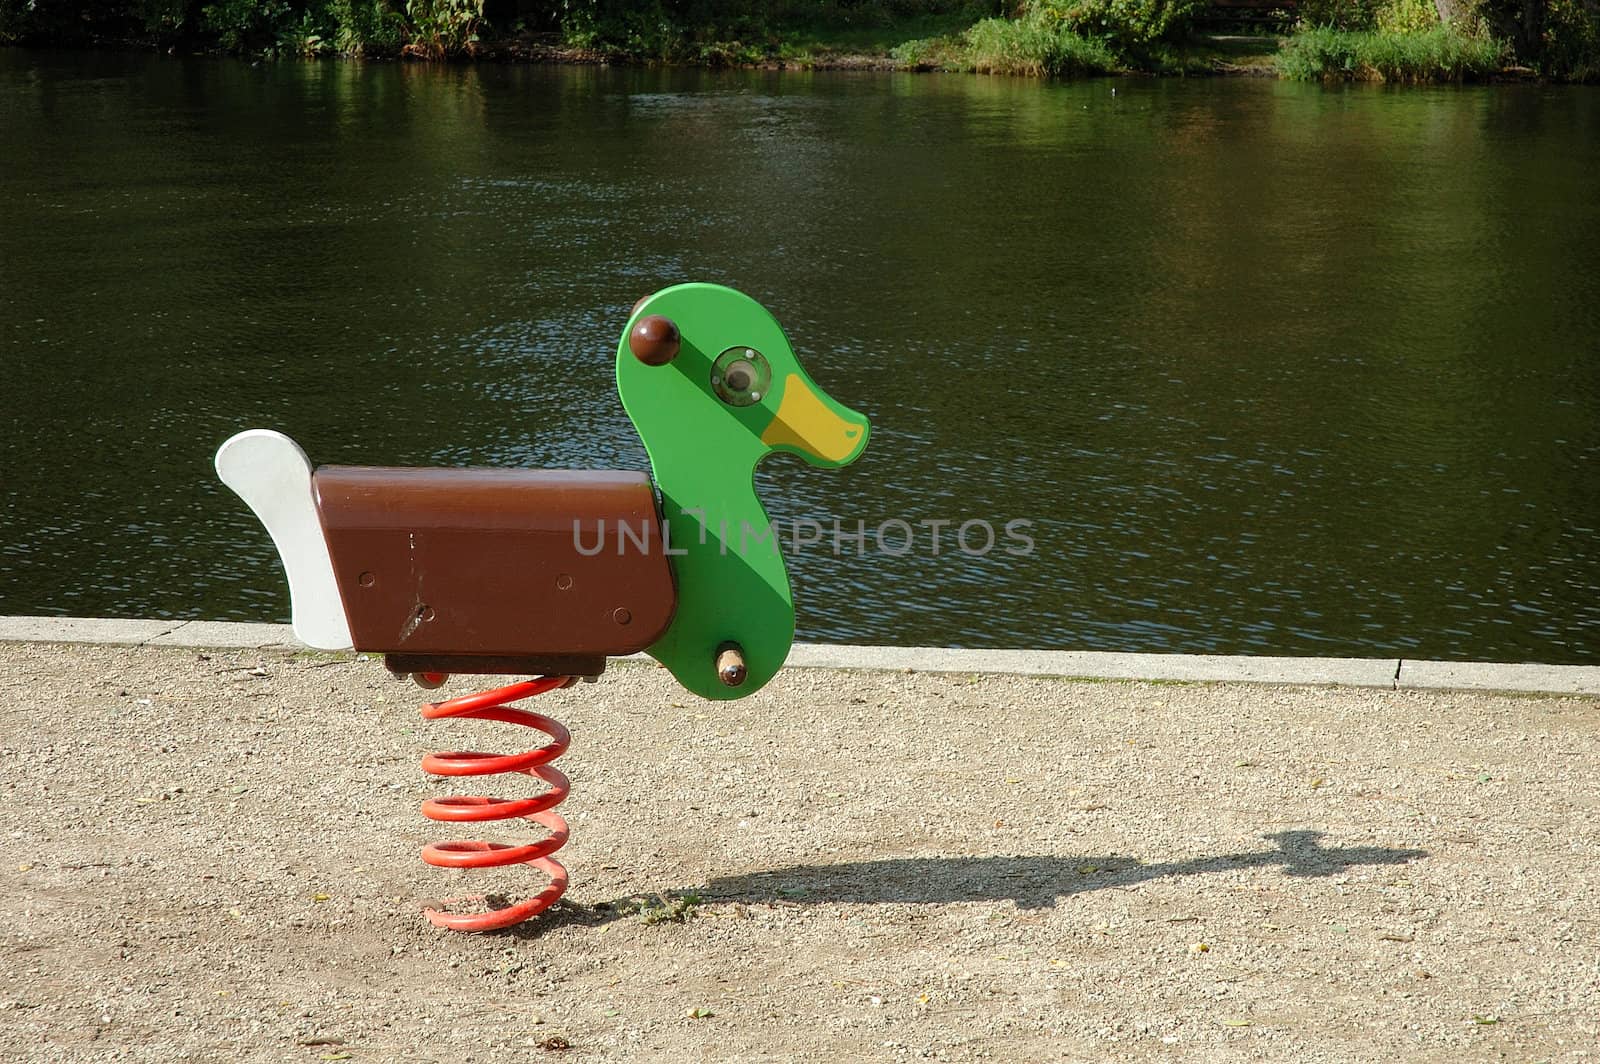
212,857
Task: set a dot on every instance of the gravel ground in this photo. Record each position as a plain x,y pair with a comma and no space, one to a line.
213,856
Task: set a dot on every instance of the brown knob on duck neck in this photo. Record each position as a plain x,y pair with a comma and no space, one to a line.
654,340
730,664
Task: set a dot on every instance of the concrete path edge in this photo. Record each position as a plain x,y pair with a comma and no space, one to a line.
1389,673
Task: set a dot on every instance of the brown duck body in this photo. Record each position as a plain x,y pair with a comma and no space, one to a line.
496,570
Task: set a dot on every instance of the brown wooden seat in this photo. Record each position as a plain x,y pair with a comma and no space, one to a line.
496,570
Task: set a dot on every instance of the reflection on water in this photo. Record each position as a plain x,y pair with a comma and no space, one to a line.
1269,367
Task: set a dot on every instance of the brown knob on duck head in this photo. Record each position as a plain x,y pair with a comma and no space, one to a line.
654,340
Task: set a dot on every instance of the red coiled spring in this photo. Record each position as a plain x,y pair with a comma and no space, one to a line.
492,705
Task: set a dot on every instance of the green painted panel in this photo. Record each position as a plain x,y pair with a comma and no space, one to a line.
704,447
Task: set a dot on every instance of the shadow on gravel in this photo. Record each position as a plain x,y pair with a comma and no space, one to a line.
1030,882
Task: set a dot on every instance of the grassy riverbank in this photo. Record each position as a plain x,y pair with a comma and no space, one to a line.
1384,40
1438,54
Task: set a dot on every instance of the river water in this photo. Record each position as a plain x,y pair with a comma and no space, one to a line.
1269,368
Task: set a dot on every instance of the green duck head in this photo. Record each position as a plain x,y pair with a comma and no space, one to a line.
713,387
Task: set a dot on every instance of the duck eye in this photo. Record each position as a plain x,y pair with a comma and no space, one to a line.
740,376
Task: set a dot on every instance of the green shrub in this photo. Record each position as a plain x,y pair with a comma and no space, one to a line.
930,53
366,27
166,20
248,25
441,28
1569,41
1063,38
1439,54
1034,45
1130,27
318,27
729,53
1338,14
1407,16
431,29
1558,38
304,38
716,31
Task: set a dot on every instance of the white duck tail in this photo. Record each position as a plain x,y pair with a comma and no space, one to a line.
272,475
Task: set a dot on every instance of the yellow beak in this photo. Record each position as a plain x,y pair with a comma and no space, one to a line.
813,427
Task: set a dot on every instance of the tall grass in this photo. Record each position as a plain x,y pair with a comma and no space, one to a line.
1033,46
1438,54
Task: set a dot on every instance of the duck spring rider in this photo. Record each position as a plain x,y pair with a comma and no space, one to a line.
545,573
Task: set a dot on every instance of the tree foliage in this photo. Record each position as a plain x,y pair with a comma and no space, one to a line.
1128,26
1557,37
1560,38
434,29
